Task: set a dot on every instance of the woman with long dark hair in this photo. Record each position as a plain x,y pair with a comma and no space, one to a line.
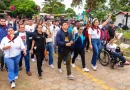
38,44
94,39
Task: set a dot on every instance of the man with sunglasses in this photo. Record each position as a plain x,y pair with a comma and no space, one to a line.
3,33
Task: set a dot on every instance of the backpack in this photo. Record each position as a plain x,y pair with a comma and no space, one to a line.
104,35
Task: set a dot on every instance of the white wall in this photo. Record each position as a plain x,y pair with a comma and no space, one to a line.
120,18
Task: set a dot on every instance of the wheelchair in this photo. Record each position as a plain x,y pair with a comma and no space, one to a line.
105,58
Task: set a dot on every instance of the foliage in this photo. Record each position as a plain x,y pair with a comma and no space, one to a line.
127,34
2,5
71,12
24,8
53,7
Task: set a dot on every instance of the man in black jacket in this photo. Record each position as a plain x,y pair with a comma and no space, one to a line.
64,42
26,37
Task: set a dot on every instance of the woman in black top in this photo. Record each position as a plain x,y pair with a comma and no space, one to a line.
38,44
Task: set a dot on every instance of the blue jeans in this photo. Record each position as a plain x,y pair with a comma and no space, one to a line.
13,67
118,55
96,44
49,47
27,60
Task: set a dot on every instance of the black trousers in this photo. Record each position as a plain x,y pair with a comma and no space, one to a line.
39,56
82,54
2,59
87,42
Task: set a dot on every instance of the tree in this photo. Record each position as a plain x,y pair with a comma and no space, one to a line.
53,7
24,8
71,12
2,5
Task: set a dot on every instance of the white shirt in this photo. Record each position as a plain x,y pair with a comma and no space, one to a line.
94,34
30,28
16,47
111,47
74,31
55,30
23,37
45,29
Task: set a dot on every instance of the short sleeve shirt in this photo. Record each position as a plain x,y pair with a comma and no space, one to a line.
40,41
93,32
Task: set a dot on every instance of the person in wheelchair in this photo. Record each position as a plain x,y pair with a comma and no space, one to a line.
115,52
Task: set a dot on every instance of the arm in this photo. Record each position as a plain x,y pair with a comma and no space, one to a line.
2,45
23,47
59,42
105,23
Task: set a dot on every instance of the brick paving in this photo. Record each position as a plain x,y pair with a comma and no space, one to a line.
103,79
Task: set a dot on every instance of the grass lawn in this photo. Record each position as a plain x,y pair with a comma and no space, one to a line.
127,34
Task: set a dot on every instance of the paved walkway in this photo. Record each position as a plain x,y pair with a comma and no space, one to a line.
103,79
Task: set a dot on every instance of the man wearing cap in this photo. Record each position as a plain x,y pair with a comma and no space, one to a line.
111,30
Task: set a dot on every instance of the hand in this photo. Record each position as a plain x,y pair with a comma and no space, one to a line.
24,52
90,46
6,47
68,44
31,51
71,42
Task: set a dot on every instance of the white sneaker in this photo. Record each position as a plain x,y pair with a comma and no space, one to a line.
52,66
13,84
59,70
33,60
85,70
94,68
71,77
78,58
64,62
73,65
16,77
88,51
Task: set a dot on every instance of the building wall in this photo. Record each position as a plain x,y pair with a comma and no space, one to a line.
120,18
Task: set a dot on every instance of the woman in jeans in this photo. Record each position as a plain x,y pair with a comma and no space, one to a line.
38,44
12,46
79,46
94,39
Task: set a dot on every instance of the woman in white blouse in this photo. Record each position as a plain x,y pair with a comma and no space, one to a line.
12,47
94,39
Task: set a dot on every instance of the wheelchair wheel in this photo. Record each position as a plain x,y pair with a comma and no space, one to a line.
104,58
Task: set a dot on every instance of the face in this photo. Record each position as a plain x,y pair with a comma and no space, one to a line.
10,31
20,22
65,26
30,22
57,23
40,22
39,28
2,22
21,28
77,24
80,30
96,23
111,25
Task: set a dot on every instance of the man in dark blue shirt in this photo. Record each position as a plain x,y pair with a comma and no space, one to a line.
3,33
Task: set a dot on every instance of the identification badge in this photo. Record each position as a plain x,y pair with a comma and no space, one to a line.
66,39
30,37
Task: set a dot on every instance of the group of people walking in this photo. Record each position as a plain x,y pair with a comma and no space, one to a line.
34,39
